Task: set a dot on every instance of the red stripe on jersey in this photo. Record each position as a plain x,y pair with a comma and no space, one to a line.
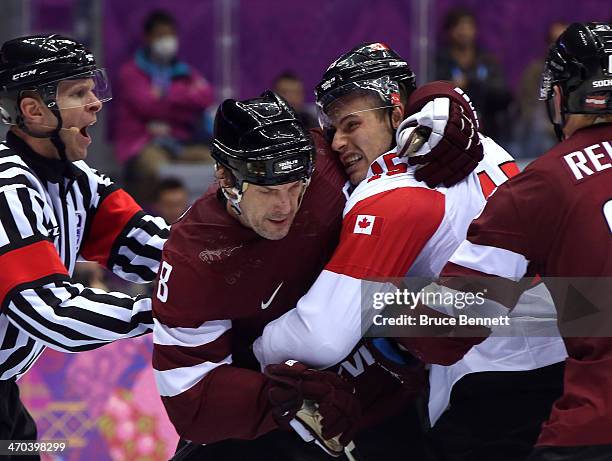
510,169
486,183
170,357
110,219
536,280
411,216
27,264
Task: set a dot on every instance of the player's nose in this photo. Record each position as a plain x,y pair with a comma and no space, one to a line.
283,202
339,142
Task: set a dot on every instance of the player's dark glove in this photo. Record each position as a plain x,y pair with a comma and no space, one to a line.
399,363
445,143
321,401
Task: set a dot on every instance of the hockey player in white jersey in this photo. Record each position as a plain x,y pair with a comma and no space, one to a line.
394,225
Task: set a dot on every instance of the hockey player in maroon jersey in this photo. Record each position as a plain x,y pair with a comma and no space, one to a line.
395,226
555,219
223,276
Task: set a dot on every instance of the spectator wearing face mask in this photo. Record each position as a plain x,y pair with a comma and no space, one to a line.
161,107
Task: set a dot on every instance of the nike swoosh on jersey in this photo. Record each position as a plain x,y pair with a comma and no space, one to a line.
266,304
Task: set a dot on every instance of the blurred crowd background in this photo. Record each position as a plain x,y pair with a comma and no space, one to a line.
172,61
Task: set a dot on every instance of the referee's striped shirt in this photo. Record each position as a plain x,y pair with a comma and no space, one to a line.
52,212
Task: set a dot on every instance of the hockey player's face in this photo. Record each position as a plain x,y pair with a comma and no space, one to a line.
363,132
270,210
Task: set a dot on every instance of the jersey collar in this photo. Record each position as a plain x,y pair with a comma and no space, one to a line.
52,170
388,164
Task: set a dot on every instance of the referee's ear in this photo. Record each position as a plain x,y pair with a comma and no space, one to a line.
32,109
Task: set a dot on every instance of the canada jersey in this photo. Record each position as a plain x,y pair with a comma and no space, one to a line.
397,201
556,219
393,225
219,284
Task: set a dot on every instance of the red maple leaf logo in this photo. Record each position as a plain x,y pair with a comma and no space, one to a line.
364,223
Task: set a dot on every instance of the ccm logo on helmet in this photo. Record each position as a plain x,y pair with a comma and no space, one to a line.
24,74
600,83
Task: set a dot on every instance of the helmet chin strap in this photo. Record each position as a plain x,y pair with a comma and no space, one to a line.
559,126
234,196
306,183
393,141
54,136
559,132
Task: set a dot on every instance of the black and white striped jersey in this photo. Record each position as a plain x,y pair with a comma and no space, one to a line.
52,212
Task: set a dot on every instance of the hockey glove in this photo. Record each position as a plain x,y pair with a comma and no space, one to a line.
322,402
452,149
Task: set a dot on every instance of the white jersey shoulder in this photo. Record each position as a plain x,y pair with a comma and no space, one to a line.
462,202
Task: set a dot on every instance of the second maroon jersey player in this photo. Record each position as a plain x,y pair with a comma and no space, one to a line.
555,219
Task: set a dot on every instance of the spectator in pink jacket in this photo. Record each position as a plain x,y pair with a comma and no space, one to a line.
161,107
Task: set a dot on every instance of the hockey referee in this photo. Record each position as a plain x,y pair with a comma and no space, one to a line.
53,209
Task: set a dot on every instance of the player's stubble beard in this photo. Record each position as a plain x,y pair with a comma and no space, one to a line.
261,225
